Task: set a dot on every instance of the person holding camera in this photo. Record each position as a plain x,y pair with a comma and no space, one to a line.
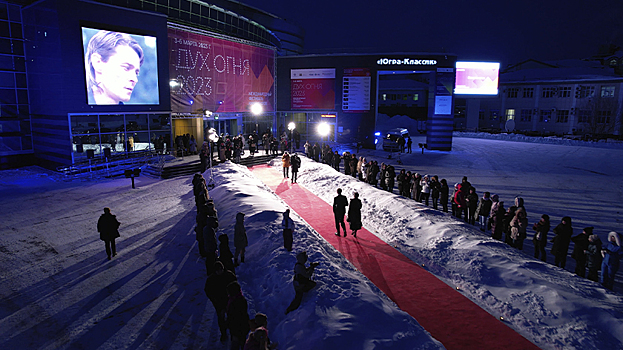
302,280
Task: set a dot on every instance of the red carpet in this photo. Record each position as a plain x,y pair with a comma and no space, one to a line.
449,316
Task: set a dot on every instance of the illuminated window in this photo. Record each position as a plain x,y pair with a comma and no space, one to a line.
510,114
528,92
584,91
607,91
512,92
416,97
562,116
564,91
526,115
549,92
384,97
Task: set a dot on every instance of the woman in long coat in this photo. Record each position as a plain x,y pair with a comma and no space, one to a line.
560,248
354,214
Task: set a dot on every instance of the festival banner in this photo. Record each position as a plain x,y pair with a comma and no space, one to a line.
312,88
218,75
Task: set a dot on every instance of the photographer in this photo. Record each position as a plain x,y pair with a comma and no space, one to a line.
302,280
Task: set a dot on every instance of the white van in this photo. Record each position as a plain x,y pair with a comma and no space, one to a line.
391,137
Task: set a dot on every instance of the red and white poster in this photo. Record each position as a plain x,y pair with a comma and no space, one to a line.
313,88
218,75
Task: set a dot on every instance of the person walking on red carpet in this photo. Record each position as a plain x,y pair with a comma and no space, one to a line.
285,160
354,214
295,162
339,210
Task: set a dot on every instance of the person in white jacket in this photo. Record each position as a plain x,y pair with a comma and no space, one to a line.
424,183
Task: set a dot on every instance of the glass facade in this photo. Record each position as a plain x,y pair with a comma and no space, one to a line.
92,134
15,128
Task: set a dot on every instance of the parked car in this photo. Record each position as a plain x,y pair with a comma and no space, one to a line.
391,137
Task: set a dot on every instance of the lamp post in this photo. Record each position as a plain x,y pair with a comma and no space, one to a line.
291,127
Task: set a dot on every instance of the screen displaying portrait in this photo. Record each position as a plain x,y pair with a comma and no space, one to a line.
121,68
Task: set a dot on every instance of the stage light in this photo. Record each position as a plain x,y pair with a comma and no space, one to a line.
257,108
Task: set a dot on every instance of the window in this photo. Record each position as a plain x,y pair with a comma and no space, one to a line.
528,92
545,115
607,91
584,116
405,97
384,97
512,92
392,97
549,92
603,117
510,114
562,116
481,114
416,97
526,115
493,114
564,91
584,91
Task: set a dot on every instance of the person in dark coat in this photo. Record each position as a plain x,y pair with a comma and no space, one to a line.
108,227
612,254
354,214
444,193
237,316
240,239
593,257
339,210
295,162
225,256
435,188
496,218
302,280
561,241
216,290
288,229
580,244
483,210
209,239
540,237
390,175
472,204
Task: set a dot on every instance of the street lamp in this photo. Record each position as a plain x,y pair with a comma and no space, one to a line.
291,127
256,110
323,130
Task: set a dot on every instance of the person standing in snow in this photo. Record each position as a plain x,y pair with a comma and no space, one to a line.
519,225
540,237
580,245
225,256
354,214
209,239
288,229
237,316
435,187
561,241
339,210
302,280
240,239
216,290
390,175
593,257
108,227
444,193
472,204
425,189
612,253
483,210
496,218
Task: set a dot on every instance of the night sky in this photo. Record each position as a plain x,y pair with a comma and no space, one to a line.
505,31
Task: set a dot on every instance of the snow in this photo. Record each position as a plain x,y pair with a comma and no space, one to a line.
59,291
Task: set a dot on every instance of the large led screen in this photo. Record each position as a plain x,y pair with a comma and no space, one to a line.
312,88
218,75
120,68
477,78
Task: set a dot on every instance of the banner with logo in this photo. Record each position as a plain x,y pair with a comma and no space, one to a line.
217,75
312,88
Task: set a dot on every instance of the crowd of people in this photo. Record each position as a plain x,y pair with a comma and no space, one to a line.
488,212
222,287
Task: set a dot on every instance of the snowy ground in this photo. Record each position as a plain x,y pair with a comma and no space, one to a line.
60,292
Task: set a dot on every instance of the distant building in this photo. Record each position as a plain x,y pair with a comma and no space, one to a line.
562,97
